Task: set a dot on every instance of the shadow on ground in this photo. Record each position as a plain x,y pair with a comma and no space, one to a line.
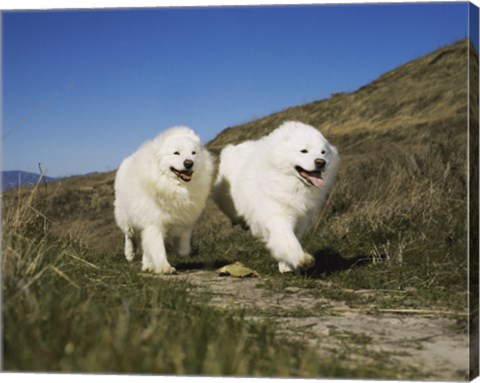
213,265
329,261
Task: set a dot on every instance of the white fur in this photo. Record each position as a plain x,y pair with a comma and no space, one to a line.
152,202
257,185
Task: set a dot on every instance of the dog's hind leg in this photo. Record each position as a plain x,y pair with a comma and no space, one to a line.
222,195
184,242
129,245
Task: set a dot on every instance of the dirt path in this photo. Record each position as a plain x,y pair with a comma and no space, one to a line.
428,342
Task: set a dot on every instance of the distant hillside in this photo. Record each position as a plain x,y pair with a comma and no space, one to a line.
13,178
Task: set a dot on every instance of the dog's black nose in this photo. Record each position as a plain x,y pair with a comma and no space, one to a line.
319,163
188,164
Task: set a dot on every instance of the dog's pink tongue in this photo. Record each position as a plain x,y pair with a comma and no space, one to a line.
316,181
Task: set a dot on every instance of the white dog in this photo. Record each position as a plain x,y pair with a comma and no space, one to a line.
276,185
161,190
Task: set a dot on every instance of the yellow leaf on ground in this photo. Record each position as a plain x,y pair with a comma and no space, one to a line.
238,270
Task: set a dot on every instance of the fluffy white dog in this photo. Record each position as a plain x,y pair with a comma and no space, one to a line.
276,186
161,190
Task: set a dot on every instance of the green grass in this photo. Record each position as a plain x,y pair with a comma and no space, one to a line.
70,309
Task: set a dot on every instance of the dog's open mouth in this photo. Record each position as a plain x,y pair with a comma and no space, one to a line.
184,175
311,177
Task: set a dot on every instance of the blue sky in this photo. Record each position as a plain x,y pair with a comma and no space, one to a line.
83,89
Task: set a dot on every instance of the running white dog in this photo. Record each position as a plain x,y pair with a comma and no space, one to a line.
276,186
161,190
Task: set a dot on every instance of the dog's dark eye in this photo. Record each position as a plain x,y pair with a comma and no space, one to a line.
304,151
193,153
177,153
323,152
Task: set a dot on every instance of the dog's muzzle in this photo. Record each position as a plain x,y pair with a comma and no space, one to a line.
184,175
312,177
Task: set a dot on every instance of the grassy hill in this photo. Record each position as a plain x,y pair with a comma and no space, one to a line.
400,202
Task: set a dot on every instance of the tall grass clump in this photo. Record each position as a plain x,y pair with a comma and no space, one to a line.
414,196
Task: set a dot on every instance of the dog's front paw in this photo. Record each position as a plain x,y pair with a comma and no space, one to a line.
165,270
147,267
306,262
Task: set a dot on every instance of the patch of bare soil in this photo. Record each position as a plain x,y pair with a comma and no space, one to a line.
428,342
